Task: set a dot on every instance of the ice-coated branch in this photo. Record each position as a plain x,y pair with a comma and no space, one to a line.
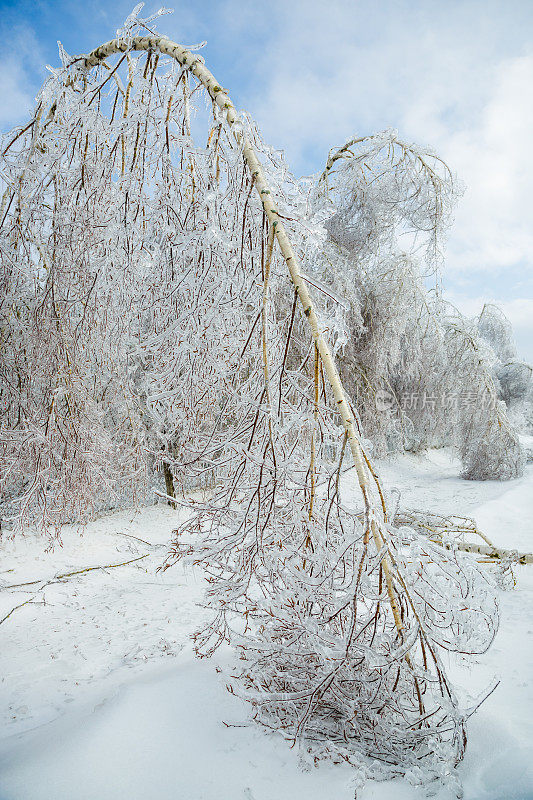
196,66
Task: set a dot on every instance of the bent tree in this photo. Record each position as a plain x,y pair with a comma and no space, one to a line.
172,297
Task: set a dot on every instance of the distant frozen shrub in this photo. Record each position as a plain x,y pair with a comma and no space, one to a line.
515,382
513,378
489,444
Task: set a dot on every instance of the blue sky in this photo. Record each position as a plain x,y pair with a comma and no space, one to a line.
457,76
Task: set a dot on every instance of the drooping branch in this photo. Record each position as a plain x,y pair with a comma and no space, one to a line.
219,96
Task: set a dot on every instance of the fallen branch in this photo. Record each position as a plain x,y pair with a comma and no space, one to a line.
493,552
439,527
25,603
191,503
76,572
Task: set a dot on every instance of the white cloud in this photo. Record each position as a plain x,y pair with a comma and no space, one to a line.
493,227
19,83
16,97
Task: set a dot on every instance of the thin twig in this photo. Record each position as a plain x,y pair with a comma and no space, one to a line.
25,603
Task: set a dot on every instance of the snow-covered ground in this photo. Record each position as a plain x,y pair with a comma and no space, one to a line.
101,697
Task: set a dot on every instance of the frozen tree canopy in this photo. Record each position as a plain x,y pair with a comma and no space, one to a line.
420,374
174,298
97,186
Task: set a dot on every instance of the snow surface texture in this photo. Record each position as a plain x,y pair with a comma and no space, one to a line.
101,697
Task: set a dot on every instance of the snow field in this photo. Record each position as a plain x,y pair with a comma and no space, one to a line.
101,696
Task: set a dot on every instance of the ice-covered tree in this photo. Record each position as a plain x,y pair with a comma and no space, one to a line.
392,203
173,295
